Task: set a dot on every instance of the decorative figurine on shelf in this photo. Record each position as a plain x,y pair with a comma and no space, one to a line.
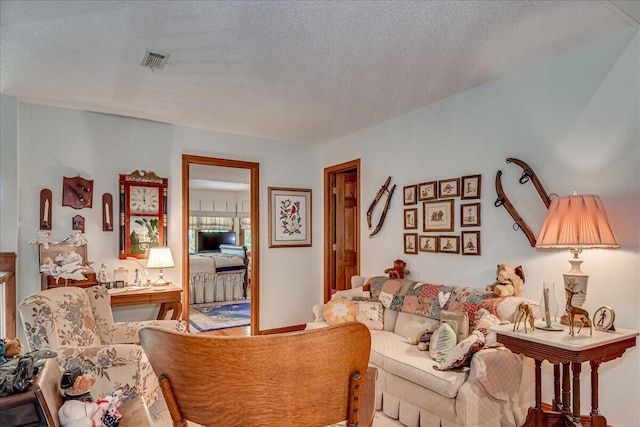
398,270
43,239
523,313
576,314
103,276
75,239
137,280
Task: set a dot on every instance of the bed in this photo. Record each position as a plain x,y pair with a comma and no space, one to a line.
218,276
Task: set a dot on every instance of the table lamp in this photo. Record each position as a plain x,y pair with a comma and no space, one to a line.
160,258
577,222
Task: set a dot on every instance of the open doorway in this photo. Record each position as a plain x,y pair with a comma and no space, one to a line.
220,211
341,225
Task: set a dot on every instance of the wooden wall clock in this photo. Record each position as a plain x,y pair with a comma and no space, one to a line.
143,213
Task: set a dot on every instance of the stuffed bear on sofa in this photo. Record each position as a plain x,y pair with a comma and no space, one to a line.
469,383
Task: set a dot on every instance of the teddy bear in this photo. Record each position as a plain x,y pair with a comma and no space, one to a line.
509,281
398,271
12,348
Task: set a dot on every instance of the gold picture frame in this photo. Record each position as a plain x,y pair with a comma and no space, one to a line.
411,219
428,244
410,243
449,244
438,215
427,191
471,243
471,186
470,215
289,217
409,195
449,188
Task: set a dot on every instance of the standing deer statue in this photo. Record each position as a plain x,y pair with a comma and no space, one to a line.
523,313
576,314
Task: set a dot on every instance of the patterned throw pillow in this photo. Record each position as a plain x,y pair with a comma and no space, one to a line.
339,310
459,322
369,308
442,341
461,354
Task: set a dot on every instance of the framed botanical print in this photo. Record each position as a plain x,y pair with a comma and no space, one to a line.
438,215
411,218
471,186
470,243
470,215
409,195
449,187
410,243
449,244
289,217
143,213
428,244
427,191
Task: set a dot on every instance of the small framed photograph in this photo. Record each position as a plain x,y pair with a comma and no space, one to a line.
471,186
470,215
409,194
427,191
438,215
411,218
470,243
449,187
449,244
428,244
289,217
410,243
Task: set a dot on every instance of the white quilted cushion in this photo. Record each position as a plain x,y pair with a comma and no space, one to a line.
392,353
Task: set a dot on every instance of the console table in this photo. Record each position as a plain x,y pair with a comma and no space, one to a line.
168,296
560,348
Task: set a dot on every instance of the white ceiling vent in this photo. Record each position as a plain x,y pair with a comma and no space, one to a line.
154,60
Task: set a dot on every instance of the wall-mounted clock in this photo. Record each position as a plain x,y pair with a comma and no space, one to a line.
143,213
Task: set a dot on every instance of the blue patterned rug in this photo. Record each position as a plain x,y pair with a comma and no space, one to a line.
220,315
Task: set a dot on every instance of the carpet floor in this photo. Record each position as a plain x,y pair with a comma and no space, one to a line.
220,315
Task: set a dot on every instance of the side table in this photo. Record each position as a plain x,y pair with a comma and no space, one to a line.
168,296
570,351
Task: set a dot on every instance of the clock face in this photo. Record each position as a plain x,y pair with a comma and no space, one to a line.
144,200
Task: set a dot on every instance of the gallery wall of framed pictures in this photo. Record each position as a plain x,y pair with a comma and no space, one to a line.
445,206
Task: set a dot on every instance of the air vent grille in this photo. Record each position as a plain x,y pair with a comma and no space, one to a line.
154,60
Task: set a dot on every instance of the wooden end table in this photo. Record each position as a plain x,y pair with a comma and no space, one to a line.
168,296
570,351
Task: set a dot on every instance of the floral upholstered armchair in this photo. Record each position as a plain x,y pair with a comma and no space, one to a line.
78,324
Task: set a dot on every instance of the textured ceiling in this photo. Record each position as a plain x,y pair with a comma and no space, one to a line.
307,71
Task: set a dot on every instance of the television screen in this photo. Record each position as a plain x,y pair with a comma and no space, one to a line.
211,240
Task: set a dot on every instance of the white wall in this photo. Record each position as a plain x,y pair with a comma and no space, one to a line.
575,121
57,142
8,174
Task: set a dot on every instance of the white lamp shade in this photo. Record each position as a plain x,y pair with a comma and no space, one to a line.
160,258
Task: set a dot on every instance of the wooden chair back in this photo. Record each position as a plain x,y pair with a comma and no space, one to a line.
306,378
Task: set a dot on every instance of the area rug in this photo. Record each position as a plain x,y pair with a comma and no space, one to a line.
220,315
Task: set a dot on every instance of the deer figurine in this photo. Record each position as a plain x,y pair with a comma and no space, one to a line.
523,313
576,314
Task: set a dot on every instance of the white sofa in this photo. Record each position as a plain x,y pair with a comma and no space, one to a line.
495,391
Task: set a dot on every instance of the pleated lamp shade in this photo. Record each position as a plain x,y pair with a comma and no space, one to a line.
577,221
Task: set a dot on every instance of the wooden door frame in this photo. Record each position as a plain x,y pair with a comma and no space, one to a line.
329,218
254,169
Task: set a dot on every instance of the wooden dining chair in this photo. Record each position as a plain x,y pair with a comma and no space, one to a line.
307,378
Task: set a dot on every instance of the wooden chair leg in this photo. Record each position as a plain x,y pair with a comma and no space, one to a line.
355,392
169,397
